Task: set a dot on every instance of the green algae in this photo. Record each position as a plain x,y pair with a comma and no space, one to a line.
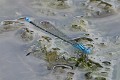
69,76
94,0
106,4
51,56
47,38
100,78
100,8
88,75
85,63
26,34
79,25
59,4
8,22
85,39
10,25
89,45
56,49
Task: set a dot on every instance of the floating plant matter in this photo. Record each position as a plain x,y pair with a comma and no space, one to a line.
100,8
100,78
10,25
27,53
107,63
88,75
79,25
52,54
70,76
58,59
25,34
60,4
85,39
52,8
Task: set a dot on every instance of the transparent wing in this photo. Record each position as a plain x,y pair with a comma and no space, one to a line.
51,28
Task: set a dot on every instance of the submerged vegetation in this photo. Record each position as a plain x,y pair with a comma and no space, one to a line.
10,25
100,8
85,39
65,60
100,78
59,4
79,25
25,34
58,59
84,62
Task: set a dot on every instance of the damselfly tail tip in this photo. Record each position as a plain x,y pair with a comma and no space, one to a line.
27,19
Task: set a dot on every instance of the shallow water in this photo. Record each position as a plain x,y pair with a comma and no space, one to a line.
13,60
